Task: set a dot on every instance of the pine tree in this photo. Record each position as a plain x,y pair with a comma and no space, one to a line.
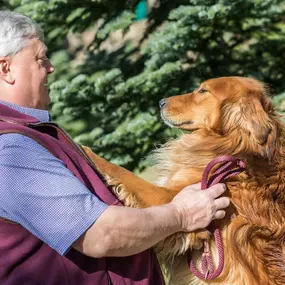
109,100
4,4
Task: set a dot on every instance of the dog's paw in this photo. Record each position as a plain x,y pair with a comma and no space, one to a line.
180,243
173,245
196,239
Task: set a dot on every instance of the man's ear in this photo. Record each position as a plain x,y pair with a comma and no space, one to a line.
5,70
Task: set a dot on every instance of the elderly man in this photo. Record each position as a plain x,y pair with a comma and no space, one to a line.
59,223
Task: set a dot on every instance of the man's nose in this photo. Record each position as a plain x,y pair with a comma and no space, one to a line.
162,103
50,68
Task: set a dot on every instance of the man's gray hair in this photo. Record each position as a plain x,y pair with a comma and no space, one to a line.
15,30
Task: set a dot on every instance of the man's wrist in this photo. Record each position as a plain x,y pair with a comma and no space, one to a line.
173,217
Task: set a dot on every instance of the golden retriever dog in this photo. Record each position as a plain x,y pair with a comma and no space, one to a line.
225,116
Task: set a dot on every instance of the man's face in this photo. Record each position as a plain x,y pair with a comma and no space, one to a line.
30,68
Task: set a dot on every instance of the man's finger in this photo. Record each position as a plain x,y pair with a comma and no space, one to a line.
222,203
217,190
220,214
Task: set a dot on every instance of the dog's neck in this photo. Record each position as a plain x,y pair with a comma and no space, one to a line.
182,161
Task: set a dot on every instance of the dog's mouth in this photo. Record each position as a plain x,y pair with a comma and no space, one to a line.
174,124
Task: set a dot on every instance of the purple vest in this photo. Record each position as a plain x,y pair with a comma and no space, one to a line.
26,260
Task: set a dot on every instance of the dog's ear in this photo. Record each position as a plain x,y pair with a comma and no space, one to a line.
249,115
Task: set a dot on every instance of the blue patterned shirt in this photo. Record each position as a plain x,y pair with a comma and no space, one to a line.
40,193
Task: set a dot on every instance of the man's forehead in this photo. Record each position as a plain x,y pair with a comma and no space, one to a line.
37,45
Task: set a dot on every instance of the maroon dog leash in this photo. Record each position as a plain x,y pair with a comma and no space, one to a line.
229,166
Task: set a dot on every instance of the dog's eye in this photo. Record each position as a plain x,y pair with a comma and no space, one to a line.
202,90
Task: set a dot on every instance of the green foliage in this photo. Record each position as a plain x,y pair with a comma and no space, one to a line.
4,4
109,99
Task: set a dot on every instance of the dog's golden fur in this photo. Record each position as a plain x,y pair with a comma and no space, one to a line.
228,115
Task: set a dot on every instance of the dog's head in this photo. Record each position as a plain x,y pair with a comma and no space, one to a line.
225,106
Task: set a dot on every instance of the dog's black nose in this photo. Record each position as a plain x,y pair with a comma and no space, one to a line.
162,103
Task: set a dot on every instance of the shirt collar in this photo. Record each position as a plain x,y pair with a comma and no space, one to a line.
39,114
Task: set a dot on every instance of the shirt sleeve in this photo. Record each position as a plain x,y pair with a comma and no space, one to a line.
40,193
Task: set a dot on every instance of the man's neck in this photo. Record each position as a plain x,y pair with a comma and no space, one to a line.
42,115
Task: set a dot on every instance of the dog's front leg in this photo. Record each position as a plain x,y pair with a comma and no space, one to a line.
131,189
136,192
